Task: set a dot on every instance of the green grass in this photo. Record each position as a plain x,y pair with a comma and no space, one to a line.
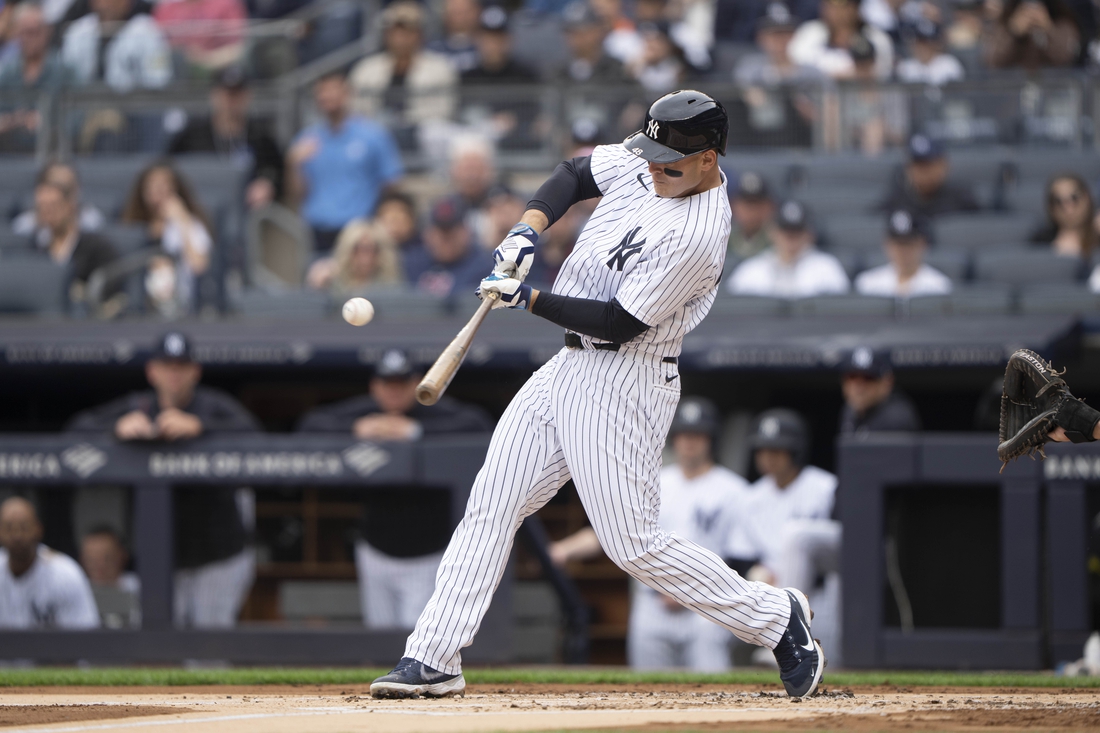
141,676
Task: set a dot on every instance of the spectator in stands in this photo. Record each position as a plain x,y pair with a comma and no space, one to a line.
460,27
873,117
925,188
826,44
214,567
906,275
737,21
396,214
511,118
174,220
396,577
1070,229
410,84
63,175
363,260
450,260
772,65
494,62
871,404
39,588
473,174
231,133
623,41
339,168
117,591
966,27
588,63
753,212
793,267
1032,34
34,70
661,67
208,33
67,245
928,64
120,44
690,26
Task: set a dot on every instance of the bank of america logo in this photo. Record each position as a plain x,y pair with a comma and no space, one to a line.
83,459
365,458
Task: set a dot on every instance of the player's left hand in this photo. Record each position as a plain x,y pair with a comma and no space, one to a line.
514,256
513,293
178,425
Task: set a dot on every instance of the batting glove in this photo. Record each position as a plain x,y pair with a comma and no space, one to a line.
513,257
513,293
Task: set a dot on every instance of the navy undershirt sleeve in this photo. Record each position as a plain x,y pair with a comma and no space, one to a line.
571,181
607,321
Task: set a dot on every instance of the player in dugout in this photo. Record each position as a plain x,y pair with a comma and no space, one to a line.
700,501
39,587
395,577
214,564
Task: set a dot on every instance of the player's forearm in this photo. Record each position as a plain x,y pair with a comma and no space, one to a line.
571,181
607,321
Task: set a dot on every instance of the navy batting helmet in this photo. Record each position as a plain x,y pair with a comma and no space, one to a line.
784,430
697,415
680,124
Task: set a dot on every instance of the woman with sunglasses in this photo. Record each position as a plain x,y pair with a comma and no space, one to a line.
1070,229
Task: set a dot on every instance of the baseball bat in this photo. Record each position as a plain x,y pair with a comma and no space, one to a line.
435,382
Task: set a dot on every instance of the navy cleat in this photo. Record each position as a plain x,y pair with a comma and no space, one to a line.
411,678
800,657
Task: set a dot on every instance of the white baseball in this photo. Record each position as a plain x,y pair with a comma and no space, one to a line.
358,311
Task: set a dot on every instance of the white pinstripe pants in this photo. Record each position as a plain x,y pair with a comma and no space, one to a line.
600,417
211,596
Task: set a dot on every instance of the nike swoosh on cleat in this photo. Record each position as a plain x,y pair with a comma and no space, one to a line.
810,647
642,182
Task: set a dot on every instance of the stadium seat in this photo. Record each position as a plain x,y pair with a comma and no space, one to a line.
1043,299
826,200
32,285
126,238
844,305
9,240
402,302
750,305
925,305
976,231
954,264
290,305
852,231
1026,267
981,299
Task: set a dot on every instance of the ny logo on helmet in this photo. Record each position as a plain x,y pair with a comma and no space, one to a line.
769,427
651,130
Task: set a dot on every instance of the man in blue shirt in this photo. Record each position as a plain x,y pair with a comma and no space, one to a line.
337,169
449,260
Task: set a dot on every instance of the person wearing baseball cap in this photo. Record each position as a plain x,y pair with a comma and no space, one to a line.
230,132
214,565
395,577
906,275
449,261
927,62
925,189
793,267
871,404
753,211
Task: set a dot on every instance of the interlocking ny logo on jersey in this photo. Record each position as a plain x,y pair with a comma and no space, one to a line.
624,250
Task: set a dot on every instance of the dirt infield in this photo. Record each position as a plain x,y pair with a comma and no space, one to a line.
644,708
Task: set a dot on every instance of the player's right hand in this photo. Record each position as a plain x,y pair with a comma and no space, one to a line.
135,425
513,257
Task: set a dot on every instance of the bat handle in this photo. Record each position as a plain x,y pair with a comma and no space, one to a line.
436,381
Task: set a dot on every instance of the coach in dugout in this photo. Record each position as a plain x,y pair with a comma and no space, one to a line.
214,565
39,588
396,577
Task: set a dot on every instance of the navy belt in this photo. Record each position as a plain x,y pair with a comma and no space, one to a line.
573,341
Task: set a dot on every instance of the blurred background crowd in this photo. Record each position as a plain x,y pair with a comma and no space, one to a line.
178,161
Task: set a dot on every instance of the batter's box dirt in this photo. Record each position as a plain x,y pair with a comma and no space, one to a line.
11,715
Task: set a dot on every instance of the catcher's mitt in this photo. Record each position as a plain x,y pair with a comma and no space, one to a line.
1034,401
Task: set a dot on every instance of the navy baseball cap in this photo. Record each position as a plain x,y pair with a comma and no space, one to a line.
868,362
776,16
926,29
751,186
792,216
861,49
923,149
448,212
395,364
173,346
907,225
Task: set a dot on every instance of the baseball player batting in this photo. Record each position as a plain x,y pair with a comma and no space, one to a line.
643,273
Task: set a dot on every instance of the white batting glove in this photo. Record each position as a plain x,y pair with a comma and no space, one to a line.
513,293
516,253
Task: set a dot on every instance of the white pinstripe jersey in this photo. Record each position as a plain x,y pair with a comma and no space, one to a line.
660,258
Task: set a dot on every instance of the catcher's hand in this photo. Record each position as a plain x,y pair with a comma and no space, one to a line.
1035,401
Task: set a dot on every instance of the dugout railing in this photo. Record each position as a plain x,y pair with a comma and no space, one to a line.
1041,559
154,470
